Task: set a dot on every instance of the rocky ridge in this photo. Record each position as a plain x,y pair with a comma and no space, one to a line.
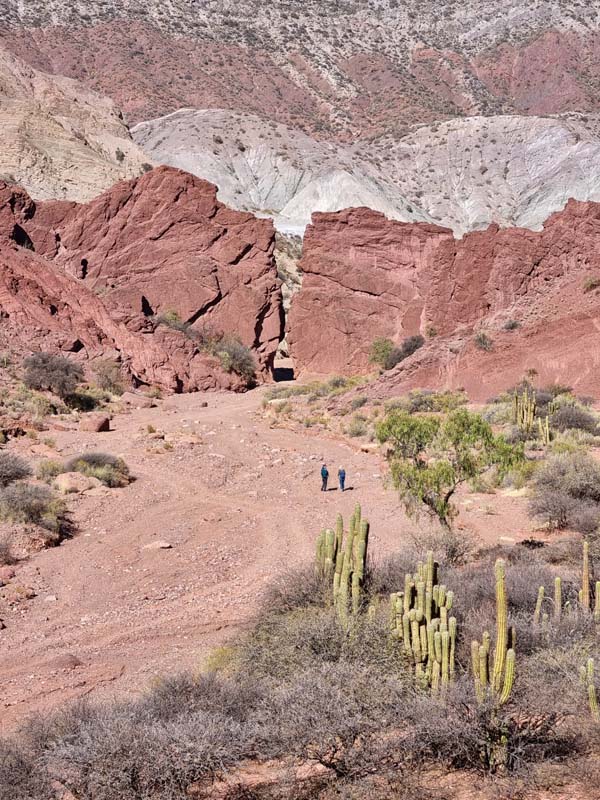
93,279
492,306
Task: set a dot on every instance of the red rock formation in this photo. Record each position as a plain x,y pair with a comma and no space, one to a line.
163,242
366,276
88,278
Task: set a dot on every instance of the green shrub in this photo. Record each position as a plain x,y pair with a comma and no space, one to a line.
380,351
235,357
511,325
48,469
427,400
358,402
108,469
37,505
7,557
357,427
384,353
54,373
483,341
86,399
12,468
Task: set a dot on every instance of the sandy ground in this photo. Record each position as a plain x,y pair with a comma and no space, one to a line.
238,500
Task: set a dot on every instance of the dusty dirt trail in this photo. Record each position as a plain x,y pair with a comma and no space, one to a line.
237,500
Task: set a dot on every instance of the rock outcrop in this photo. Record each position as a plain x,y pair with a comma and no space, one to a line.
93,279
58,138
533,294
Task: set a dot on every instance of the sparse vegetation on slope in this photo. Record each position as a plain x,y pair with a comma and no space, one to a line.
320,680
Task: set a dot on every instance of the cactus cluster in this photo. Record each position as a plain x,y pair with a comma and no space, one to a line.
586,597
524,407
494,676
342,558
420,620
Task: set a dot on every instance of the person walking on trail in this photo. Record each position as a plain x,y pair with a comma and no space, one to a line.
324,477
342,478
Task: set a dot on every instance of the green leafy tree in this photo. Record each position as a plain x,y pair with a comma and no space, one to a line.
430,457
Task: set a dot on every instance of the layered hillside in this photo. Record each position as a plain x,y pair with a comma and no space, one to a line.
463,174
491,306
269,168
106,278
338,70
58,139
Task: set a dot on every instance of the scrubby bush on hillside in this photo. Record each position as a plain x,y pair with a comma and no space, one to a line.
57,374
110,470
380,351
566,492
48,469
357,426
235,357
483,341
7,557
385,353
574,417
12,468
36,505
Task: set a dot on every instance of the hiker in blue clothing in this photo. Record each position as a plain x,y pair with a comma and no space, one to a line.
342,477
324,477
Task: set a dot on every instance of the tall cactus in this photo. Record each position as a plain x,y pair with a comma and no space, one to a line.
557,599
587,679
419,618
585,578
495,679
544,430
343,560
524,407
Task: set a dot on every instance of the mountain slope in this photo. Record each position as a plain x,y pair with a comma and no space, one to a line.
464,174
340,70
533,294
58,139
269,168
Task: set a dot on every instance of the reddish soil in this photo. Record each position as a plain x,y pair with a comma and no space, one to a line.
239,502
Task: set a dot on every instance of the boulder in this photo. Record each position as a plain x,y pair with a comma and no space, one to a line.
6,575
75,483
95,423
136,400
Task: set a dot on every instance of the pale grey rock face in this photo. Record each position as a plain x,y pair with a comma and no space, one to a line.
463,174
268,168
511,170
